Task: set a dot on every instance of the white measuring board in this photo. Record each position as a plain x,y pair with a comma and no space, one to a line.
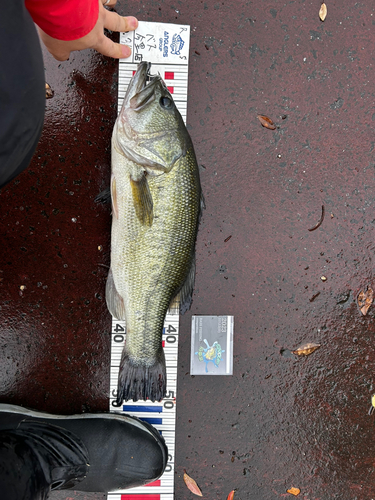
166,47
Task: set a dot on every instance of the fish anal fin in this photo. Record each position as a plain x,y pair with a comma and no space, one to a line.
138,380
142,200
115,302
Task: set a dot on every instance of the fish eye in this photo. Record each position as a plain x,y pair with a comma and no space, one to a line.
165,102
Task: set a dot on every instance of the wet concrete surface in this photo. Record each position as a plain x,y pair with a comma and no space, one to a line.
280,420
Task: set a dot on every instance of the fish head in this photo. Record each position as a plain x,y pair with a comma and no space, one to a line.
149,129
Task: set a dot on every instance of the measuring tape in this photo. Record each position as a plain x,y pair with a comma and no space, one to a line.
166,47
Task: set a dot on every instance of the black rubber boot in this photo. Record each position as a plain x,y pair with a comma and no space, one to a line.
120,451
36,457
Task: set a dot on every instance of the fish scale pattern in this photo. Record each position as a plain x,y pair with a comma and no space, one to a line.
152,263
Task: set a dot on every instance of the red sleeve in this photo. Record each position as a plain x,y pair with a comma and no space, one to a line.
64,19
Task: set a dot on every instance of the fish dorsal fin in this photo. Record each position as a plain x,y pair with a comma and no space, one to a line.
142,200
186,292
104,196
115,302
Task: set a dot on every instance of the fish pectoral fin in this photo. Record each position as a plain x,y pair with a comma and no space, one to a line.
186,292
115,302
142,200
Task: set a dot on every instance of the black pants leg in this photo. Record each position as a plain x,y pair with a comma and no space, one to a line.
22,89
21,475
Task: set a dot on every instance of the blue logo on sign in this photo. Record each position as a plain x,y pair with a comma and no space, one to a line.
166,40
177,45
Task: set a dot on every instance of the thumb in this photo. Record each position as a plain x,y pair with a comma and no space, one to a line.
111,49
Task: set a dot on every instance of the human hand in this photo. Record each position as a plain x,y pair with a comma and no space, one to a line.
96,39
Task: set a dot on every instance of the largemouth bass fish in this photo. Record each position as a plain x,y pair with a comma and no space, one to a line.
156,206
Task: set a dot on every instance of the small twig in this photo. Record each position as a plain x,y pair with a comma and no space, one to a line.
320,220
314,297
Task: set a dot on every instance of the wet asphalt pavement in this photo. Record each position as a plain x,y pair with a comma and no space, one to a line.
280,420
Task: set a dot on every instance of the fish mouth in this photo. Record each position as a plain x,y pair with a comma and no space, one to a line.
141,89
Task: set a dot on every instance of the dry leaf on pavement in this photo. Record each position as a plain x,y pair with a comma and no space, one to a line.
323,12
266,122
372,407
294,491
192,485
49,92
306,349
365,299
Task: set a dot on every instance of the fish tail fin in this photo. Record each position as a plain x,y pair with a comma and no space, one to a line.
138,380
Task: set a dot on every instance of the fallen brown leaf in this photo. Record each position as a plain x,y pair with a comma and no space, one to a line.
323,12
49,92
372,408
294,491
192,485
365,299
306,349
231,495
266,122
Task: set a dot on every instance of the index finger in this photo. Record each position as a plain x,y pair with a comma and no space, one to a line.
115,22
108,48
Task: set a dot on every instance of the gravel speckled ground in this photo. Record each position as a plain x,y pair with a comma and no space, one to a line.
280,420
